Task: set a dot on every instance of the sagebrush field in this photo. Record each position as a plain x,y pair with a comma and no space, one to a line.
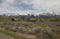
30,27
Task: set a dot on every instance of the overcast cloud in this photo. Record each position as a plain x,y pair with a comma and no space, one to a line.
29,6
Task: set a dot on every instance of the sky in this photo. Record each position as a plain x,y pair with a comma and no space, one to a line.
24,7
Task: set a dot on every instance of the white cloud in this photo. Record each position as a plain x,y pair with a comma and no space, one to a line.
46,3
9,1
38,6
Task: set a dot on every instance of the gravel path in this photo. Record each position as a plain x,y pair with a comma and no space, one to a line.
3,36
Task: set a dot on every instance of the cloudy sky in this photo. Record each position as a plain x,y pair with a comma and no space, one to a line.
29,6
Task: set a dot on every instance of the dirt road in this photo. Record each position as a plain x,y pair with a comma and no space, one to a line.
3,36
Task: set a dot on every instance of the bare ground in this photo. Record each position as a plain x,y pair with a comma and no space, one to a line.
27,36
3,36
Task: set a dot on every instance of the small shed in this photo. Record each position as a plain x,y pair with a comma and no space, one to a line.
32,20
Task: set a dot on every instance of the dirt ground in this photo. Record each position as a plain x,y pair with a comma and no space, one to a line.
3,36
